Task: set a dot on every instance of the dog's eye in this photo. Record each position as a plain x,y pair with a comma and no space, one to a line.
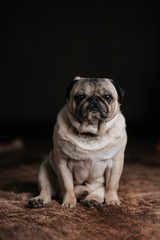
108,97
79,98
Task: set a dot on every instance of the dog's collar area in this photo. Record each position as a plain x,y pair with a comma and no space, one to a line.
77,132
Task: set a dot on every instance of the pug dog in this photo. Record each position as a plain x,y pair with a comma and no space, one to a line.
89,142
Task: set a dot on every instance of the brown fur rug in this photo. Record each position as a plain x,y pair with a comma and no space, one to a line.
137,218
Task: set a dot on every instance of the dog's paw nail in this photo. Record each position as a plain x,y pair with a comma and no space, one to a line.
71,205
113,202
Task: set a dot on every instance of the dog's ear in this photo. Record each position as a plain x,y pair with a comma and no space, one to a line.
120,91
70,87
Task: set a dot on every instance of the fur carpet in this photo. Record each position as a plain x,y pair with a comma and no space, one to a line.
137,218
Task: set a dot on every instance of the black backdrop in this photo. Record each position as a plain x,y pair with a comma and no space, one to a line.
44,46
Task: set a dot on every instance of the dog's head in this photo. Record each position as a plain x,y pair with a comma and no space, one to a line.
94,100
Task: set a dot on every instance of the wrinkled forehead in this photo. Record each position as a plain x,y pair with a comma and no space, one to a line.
90,85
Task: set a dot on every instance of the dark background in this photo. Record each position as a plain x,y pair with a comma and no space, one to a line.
44,46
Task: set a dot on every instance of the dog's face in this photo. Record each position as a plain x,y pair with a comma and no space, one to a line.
93,100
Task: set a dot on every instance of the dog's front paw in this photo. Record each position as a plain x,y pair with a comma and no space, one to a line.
111,198
113,202
36,203
69,201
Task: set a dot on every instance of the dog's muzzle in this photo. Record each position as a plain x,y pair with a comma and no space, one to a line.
93,103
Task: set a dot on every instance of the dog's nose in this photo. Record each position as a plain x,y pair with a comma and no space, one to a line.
94,100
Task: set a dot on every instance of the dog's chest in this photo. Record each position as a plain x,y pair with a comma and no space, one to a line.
88,170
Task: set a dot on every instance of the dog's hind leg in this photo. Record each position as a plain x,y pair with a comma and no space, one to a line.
47,181
81,191
95,199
